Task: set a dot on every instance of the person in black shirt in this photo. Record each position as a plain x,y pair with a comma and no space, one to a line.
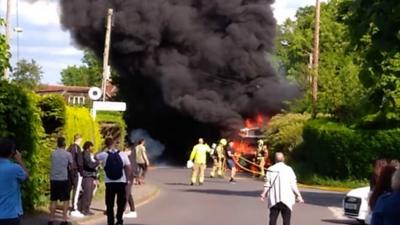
75,174
90,175
230,154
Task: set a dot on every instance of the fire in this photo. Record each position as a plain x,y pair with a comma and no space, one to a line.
248,123
258,122
244,148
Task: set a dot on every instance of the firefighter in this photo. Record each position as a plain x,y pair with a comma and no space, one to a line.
219,158
199,158
262,153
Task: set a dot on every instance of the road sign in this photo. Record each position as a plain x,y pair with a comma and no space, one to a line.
108,106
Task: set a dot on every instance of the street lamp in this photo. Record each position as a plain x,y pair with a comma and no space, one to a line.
18,30
286,43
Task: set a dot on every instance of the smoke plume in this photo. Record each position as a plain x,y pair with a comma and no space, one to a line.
199,66
154,148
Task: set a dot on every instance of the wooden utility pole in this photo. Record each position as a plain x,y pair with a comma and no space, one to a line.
315,59
8,33
106,70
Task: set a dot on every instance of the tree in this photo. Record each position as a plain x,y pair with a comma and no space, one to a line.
4,51
88,74
27,74
374,27
340,90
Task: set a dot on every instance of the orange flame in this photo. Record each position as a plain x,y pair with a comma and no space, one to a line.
243,148
248,123
259,121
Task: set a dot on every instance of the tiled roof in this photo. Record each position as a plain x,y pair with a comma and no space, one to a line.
61,89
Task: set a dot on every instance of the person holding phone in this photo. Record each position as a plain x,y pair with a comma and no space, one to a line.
12,175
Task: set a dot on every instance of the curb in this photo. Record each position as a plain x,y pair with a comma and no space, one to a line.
140,202
325,188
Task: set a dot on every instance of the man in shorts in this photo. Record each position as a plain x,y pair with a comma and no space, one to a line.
230,161
61,163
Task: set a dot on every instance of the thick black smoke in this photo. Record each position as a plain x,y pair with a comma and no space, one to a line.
187,67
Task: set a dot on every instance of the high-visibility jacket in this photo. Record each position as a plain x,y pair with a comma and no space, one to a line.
199,153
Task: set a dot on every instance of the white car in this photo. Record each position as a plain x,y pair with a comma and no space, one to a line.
355,204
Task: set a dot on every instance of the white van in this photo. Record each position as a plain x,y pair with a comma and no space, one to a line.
355,204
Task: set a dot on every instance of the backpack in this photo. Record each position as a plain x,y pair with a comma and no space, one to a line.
114,166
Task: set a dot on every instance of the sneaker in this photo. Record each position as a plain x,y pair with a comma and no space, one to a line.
119,223
89,213
131,214
232,180
191,183
77,214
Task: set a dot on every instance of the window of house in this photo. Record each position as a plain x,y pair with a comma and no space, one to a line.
76,100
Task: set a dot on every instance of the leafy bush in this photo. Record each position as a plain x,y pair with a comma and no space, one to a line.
115,118
380,120
285,131
339,152
20,120
53,114
79,121
306,175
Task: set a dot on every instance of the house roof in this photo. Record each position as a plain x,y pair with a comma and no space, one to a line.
62,89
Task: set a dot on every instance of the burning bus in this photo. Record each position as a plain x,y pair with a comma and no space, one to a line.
251,149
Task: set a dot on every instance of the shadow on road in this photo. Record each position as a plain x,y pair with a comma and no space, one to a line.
352,222
326,199
134,223
225,192
177,184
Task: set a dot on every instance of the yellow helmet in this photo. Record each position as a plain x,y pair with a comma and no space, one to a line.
223,141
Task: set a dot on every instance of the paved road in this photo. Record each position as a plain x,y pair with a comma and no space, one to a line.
218,202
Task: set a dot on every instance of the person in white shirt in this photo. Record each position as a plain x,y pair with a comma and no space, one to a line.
281,191
117,168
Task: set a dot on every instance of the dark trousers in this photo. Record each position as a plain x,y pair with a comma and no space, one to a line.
112,190
87,196
142,169
15,221
74,179
274,213
129,196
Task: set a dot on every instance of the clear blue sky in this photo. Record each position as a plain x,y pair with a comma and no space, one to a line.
44,40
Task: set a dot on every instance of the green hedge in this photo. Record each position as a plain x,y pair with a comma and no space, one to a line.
285,131
20,120
53,113
34,122
339,152
116,118
79,120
